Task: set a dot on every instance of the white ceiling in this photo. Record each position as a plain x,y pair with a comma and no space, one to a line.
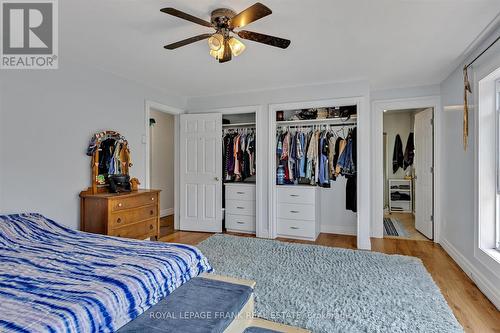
392,43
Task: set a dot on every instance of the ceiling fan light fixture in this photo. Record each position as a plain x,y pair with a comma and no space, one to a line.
222,46
216,42
219,54
236,46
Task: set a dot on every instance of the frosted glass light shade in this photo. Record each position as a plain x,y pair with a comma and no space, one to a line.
236,46
216,42
218,54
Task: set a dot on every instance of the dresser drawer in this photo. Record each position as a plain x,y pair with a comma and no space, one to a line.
240,207
240,222
297,195
296,211
124,217
136,230
295,228
133,201
237,192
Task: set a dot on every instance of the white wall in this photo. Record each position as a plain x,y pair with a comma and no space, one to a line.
47,120
284,95
458,182
335,218
163,159
408,92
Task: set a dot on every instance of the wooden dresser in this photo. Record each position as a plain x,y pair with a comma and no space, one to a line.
130,215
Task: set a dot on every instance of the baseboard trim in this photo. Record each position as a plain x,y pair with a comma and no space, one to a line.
166,212
339,229
473,273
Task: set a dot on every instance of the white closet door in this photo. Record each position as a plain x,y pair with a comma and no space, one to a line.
424,173
200,172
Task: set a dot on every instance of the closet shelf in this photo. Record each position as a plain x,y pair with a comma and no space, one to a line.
326,121
238,125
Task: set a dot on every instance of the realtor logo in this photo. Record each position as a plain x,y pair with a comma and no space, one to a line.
29,34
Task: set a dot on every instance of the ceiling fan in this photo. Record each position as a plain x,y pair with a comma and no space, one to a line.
223,45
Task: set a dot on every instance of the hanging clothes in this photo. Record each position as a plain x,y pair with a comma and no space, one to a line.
331,156
238,153
318,156
397,155
324,153
338,167
352,180
228,156
351,196
409,152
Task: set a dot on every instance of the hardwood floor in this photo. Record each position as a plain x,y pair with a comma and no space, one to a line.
472,309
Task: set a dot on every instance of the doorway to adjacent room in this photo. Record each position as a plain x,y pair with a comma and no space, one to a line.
408,141
162,156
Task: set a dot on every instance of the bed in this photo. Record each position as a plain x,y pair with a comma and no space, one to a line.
55,279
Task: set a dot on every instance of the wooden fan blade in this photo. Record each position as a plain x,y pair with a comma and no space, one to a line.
227,52
265,39
187,41
249,15
185,16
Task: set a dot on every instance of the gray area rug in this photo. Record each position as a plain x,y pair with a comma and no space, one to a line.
327,289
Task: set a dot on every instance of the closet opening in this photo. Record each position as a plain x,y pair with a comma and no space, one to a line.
315,162
408,174
239,172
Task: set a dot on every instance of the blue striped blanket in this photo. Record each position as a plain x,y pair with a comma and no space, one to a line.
54,279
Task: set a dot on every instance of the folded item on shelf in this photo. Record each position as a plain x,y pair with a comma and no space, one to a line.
398,196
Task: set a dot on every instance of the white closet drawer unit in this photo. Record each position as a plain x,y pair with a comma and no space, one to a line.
240,192
296,229
240,207
240,222
296,211
296,195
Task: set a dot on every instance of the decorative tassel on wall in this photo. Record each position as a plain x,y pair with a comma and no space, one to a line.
467,90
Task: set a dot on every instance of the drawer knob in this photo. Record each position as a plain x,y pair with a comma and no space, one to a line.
118,235
151,227
151,212
294,211
120,204
239,222
294,195
152,199
294,228
240,207
240,192
118,220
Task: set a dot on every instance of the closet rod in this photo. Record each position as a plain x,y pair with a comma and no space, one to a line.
249,125
320,125
480,54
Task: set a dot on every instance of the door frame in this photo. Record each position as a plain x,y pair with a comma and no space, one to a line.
378,108
262,228
176,112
